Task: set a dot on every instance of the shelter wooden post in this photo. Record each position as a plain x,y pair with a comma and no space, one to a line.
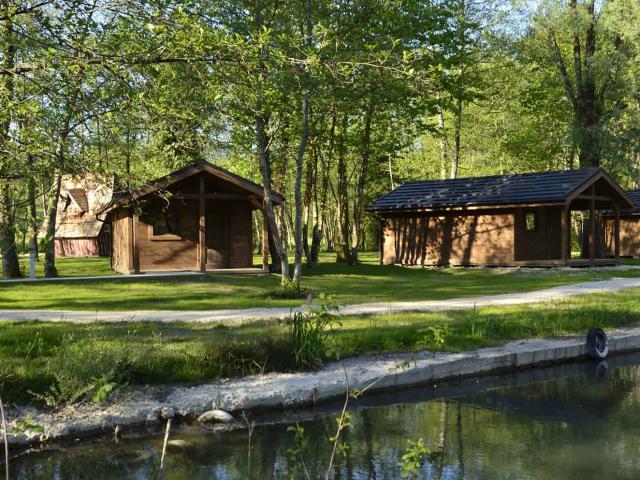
564,234
135,251
202,247
130,262
381,240
616,231
265,241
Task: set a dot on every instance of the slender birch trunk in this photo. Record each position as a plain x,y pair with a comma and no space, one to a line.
260,125
455,157
10,262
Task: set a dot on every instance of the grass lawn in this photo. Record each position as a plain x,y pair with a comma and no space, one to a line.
367,282
78,359
72,266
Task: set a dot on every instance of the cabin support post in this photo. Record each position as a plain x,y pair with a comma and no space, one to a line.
202,247
129,268
616,232
134,243
381,240
564,234
265,241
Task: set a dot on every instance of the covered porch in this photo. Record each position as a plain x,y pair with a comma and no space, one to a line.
584,235
200,218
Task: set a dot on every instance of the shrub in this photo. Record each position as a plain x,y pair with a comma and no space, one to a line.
87,370
288,291
309,333
247,356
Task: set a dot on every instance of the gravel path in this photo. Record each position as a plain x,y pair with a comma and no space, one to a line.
245,315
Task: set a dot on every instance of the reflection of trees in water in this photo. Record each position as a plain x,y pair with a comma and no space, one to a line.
461,468
495,434
573,400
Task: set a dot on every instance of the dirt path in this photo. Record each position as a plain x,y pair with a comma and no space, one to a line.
245,315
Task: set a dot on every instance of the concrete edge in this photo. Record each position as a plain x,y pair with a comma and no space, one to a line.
297,390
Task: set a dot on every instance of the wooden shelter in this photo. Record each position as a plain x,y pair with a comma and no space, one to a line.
503,220
79,233
629,228
197,218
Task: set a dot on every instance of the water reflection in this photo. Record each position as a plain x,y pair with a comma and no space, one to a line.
573,421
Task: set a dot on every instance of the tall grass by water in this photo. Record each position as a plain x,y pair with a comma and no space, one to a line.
58,363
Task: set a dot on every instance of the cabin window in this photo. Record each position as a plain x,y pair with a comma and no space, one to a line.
530,221
163,225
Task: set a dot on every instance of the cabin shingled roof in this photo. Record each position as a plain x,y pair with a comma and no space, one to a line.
519,189
635,196
122,198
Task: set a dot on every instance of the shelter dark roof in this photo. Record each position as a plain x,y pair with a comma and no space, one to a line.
520,189
122,198
635,196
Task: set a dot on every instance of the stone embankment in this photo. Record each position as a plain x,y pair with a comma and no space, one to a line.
138,409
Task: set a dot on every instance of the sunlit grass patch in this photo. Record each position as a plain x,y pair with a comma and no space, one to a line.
366,282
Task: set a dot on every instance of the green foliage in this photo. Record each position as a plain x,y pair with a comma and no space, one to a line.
23,425
295,454
436,335
413,459
310,331
81,373
288,291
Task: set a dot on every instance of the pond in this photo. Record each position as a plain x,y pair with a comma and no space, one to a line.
574,421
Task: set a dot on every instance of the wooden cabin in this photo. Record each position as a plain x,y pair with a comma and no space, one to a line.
629,228
197,218
79,233
502,220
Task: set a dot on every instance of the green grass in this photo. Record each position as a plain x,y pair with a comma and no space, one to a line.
72,266
367,282
36,356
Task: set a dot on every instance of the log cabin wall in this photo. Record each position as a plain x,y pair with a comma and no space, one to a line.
240,236
228,234
121,238
629,236
177,251
543,241
483,238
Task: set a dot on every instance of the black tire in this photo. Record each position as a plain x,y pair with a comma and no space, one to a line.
597,344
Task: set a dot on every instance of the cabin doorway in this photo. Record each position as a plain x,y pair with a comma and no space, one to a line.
217,234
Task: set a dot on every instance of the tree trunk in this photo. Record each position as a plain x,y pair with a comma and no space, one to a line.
32,210
50,269
304,137
455,157
391,182
310,199
10,262
297,268
263,155
443,143
586,100
362,181
343,252
320,210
